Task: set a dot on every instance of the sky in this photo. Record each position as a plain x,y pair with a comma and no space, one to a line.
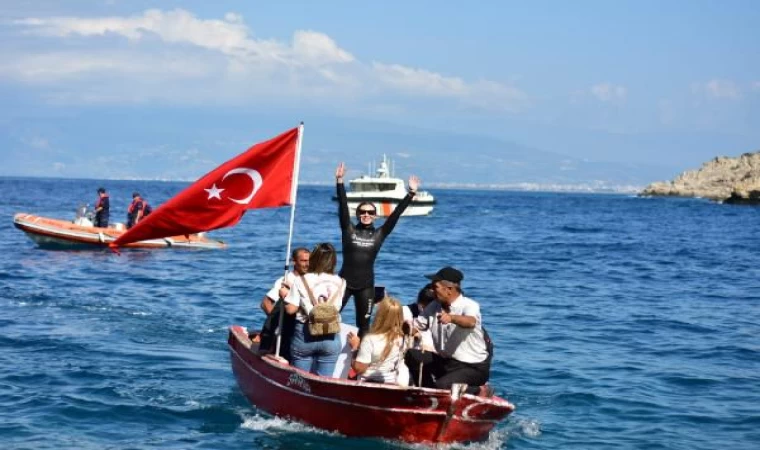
491,92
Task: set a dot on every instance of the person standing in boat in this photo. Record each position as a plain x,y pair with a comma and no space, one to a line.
102,209
136,210
315,352
273,301
361,244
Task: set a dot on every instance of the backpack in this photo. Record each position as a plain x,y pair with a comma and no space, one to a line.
324,318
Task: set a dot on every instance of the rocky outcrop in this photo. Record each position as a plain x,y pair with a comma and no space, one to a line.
721,179
746,193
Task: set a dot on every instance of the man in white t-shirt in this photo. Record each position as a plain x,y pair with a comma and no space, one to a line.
272,302
460,354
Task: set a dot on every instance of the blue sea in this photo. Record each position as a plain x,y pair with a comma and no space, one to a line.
619,322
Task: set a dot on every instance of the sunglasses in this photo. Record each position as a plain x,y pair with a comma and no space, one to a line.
366,212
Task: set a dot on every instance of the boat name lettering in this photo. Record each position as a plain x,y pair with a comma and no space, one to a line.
299,382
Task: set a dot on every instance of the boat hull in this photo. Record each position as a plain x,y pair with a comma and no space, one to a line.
360,409
61,234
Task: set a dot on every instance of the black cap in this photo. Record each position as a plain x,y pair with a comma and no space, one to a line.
101,190
135,194
447,274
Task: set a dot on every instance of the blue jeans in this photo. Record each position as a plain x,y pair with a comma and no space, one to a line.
315,354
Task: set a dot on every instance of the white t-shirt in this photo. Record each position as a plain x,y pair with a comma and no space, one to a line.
450,340
274,293
370,352
324,287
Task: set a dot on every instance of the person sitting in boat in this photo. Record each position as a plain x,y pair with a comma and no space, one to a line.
462,351
138,209
424,297
379,354
361,244
272,303
102,209
315,299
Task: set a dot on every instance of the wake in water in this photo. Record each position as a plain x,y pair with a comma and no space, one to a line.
497,439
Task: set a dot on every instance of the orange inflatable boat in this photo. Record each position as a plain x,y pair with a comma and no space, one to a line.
55,233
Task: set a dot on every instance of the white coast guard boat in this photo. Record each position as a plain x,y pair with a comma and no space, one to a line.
386,191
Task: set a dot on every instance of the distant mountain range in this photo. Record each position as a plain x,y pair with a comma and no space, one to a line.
183,145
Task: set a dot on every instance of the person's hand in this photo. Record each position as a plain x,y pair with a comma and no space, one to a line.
353,340
414,183
444,317
284,290
340,171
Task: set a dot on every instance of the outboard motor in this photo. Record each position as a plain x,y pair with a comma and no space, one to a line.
84,216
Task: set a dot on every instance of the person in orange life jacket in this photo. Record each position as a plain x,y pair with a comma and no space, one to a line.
102,209
361,243
462,353
138,209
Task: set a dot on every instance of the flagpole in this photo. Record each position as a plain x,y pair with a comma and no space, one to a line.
293,196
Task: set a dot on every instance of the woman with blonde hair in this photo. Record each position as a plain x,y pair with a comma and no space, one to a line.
312,348
380,353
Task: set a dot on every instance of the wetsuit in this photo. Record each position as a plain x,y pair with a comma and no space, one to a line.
101,217
361,245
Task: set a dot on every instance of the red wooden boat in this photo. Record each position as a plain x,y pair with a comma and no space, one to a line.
361,409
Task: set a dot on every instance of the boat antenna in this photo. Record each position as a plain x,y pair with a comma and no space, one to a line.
293,195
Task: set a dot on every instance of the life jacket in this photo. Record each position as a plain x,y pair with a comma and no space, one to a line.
139,205
134,206
100,201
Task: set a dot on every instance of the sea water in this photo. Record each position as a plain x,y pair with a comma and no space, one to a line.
619,322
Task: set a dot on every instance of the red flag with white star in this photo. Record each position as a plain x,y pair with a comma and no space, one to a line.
262,177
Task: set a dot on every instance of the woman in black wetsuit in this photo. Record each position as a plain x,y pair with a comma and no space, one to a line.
361,244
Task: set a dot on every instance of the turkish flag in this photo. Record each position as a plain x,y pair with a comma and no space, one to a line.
262,177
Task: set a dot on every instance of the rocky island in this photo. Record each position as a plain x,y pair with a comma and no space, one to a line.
723,179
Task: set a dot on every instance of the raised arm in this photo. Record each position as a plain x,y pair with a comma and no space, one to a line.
391,221
345,218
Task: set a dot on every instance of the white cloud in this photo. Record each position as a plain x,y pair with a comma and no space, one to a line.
717,89
756,86
606,92
485,94
57,66
175,56
419,80
230,36
318,48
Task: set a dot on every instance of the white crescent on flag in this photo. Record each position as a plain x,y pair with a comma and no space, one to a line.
255,177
